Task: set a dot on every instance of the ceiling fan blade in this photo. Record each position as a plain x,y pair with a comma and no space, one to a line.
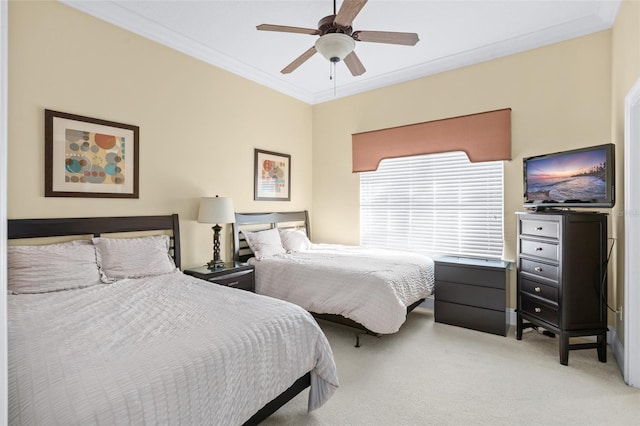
286,29
299,60
348,11
353,63
407,39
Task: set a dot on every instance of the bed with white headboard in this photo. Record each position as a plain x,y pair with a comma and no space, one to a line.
106,329
371,289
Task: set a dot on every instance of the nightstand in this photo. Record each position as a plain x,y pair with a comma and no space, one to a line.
233,274
472,293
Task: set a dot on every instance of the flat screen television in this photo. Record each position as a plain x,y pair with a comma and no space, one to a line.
577,178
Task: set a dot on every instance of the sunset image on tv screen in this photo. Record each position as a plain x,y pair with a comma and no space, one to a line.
570,177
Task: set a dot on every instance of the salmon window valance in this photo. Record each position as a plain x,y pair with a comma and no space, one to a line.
484,136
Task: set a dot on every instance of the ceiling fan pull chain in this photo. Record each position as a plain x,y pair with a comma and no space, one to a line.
332,75
335,77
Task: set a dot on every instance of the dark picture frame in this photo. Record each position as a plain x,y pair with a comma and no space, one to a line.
272,176
89,157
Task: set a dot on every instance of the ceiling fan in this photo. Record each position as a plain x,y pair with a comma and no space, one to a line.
337,38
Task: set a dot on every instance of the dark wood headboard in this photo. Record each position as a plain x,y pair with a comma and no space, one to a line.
262,221
97,226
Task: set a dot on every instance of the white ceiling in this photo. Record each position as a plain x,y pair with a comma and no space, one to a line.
453,33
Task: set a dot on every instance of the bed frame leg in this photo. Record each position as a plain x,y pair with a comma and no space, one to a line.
357,340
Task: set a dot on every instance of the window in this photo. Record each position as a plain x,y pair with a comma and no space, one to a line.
436,204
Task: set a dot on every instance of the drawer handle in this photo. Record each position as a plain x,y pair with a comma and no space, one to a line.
538,310
538,228
537,269
537,290
538,248
233,284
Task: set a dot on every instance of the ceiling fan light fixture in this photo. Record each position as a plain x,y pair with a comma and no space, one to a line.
335,46
337,39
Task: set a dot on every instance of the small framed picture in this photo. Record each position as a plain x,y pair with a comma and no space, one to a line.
89,157
272,176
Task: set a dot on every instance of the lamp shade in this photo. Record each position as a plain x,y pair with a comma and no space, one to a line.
216,210
335,46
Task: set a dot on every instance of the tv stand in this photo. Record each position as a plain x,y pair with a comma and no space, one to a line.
562,284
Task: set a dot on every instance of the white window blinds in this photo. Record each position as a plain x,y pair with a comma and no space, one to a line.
436,204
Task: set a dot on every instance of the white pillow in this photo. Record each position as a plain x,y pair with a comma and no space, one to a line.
52,267
264,243
294,239
120,258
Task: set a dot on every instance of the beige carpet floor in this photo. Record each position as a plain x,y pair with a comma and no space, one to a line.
434,374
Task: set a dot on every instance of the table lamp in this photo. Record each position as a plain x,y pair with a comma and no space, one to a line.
216,210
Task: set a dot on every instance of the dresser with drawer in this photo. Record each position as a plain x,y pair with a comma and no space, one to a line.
562,281
472,293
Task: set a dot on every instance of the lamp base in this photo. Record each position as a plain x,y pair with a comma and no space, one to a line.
216,262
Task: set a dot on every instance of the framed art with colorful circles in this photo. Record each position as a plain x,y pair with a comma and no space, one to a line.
89,157
272,173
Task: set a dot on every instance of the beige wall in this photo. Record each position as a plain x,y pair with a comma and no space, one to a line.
560,97
625,72
198,124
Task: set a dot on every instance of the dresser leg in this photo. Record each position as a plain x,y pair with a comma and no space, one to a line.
602,347
518,327
564,349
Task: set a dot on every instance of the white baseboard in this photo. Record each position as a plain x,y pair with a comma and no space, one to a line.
617,347
428,303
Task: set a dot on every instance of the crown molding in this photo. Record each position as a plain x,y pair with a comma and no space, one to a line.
601,19
140,25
